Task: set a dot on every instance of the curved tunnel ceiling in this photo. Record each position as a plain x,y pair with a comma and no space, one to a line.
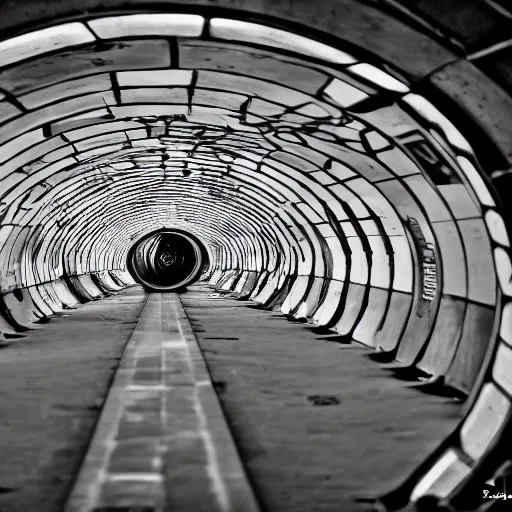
320,180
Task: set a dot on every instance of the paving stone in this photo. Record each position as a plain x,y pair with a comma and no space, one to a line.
133,493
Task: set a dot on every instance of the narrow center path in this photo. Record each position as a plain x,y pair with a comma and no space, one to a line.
317,423
162,443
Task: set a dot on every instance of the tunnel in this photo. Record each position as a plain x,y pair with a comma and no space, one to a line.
342,165
166,261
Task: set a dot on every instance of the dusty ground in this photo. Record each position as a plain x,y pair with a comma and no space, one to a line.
317,423
303,457
52,385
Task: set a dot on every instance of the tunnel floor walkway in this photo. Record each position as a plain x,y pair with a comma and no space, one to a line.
317,423
52,387
272,378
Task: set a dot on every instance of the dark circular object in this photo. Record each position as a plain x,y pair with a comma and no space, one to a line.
166,260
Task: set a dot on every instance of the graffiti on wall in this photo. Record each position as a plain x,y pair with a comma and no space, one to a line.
427,261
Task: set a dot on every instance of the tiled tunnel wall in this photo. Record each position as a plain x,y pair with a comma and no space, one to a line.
350,171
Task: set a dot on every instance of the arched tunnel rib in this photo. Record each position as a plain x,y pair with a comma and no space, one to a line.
342,163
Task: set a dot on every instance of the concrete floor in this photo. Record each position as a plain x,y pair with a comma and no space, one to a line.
52,386
372,430
301,457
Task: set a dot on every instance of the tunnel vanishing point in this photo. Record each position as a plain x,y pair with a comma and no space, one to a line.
346,163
